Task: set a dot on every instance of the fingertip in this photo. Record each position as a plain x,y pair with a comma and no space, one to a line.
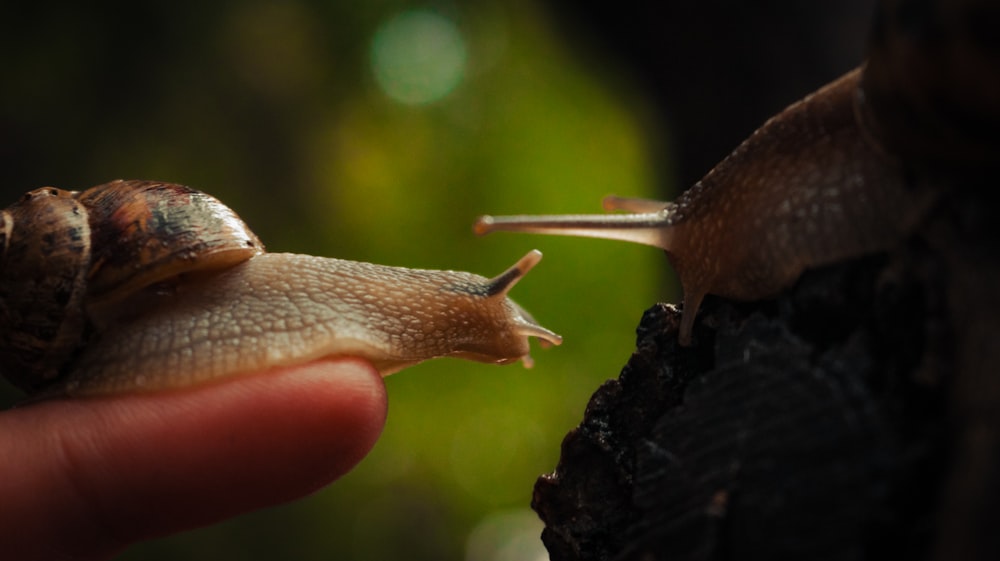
112,471
340,400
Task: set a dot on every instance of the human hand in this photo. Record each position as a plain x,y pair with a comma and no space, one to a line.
84,478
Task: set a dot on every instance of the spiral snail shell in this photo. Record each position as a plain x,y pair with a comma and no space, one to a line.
144,285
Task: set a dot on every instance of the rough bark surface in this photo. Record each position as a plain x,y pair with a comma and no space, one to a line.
808,427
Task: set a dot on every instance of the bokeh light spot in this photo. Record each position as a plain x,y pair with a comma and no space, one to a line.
418,57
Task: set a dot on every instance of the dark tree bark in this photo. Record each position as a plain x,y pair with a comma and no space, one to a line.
856,415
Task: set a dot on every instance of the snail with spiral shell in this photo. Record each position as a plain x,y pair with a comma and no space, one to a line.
143,285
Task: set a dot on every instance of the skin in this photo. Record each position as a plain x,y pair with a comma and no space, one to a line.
91,476
256,314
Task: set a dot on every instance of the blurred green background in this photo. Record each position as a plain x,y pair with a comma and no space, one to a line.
378,131
369,131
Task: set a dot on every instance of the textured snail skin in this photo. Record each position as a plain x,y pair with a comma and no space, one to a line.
278,309
809,188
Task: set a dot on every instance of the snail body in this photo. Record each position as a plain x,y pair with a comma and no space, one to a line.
140,285
809,188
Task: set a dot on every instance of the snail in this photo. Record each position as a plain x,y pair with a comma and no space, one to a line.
810,187
142,285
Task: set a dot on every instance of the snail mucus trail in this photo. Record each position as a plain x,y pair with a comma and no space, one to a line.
811,187
142,285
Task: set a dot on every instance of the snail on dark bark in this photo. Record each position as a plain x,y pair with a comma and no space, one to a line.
811,187
143,285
